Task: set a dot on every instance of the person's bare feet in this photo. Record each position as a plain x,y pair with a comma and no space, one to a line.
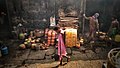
68,58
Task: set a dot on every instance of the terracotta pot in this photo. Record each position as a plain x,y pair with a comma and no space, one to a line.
49,33
21,36
33,41
49,38
33,46
53,34
52,41
53,38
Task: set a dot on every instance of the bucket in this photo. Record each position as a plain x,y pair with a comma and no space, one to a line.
4,50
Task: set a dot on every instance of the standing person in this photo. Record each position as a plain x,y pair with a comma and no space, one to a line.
2,16
93,25
61,46
113,28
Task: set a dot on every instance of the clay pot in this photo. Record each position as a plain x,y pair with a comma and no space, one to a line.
22,46
33,46
21,36
33,41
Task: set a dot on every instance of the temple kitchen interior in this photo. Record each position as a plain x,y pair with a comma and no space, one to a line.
59,34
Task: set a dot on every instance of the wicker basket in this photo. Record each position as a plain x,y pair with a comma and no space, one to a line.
113,57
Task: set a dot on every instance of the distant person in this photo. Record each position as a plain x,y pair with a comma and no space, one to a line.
2,16
114,27
93,25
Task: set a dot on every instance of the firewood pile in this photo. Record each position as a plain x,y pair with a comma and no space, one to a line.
103,36
68,22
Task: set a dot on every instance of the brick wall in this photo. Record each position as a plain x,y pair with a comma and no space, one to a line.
36,13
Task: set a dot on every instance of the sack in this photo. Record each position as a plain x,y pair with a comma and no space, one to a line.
117,38
70,37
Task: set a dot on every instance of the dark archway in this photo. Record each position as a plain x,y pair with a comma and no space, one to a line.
4,21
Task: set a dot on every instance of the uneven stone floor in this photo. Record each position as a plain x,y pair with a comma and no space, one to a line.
71,64
92,58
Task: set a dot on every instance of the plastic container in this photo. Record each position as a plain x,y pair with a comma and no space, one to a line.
4,50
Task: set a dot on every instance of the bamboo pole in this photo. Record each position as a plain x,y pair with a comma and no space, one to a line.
8,15
84,9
